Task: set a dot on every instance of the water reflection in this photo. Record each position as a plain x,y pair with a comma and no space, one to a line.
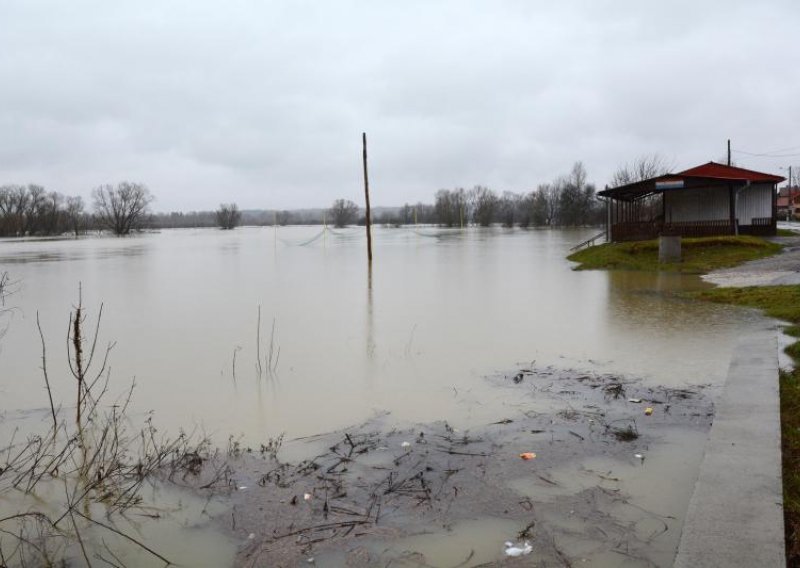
370,316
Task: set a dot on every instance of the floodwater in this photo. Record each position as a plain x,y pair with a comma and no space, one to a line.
440,310
414,337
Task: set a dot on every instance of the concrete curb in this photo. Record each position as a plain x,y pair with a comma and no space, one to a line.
735,515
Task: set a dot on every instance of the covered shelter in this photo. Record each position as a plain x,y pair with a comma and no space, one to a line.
707,200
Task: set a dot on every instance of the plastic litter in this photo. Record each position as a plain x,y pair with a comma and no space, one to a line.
639,456
527,456
405,445
251,536
648,411
307,496
636,400
518,550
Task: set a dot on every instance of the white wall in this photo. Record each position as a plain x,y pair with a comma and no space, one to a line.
707,204
753,202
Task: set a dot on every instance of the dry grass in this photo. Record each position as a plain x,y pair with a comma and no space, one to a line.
86,468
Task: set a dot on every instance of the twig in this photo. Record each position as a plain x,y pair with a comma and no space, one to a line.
75,527
125,536
46,378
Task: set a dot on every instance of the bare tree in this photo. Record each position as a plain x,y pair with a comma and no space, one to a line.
483,203
76,217
548,200
13,205
228,216
578,204
121,209
33,208
510,210
343,212
642,168
451,207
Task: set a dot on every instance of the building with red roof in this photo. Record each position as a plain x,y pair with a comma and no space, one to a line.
706,200
787,202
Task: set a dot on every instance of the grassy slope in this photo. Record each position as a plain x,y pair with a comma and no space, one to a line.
699,255
782,302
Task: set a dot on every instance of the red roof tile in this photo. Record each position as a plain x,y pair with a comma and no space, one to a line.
721,171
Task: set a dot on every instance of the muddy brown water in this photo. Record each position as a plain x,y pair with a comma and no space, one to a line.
415,340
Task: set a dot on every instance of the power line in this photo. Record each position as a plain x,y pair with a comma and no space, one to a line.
772,153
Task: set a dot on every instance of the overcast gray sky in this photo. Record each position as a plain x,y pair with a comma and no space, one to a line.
263,102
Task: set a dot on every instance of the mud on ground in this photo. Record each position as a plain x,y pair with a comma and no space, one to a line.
362,488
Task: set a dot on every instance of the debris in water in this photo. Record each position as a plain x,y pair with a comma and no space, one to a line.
527,456
523,550
636,400
405,445
628,434
639,456
518,378
648,411
251,536
307,496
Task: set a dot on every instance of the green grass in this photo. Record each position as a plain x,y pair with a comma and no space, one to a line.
781,302
787,233
699,255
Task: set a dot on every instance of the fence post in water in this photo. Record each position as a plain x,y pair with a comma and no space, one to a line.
366,197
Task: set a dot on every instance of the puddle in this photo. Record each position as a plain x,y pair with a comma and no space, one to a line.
413,496
464,544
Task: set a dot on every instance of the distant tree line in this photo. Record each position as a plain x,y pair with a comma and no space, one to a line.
568,200
261,218
30,210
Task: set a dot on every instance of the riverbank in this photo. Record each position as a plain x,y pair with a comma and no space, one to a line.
749,273
783,303
700,255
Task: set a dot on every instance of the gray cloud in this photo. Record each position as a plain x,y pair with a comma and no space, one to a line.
263,102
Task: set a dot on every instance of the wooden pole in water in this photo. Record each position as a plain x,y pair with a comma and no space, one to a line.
366,198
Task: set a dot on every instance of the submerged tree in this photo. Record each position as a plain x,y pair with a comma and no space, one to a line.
483,203
510,209
228,216
121,209
451,207
76,218
343,212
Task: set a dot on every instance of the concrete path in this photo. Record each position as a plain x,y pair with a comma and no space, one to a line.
783,268
735,516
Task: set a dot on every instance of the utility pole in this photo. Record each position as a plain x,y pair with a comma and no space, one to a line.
366,198
729,151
